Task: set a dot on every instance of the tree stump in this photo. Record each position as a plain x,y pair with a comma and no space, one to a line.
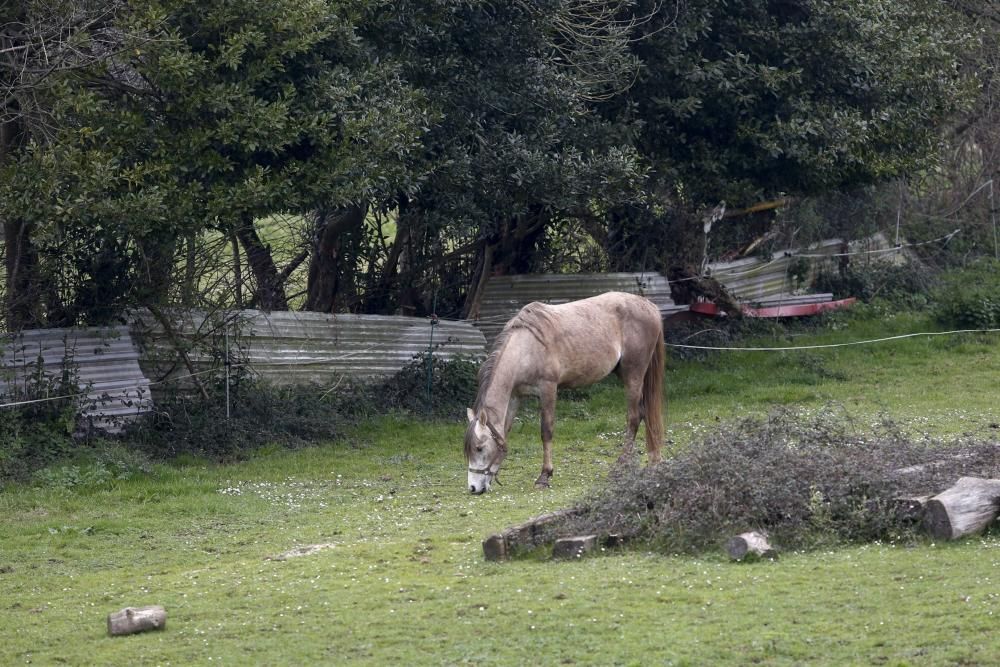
136,619
752,544
574,547
964,509
495,547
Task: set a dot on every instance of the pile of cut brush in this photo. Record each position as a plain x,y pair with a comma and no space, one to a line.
797,480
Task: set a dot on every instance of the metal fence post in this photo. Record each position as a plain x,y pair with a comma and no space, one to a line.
430,358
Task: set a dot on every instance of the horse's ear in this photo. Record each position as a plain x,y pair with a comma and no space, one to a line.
482,418
470,414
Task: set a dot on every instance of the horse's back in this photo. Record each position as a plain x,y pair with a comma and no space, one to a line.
609,306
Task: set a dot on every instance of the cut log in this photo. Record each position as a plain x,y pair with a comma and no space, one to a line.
137,619
533,533
965,509
574,547
495,547
750,544
612,541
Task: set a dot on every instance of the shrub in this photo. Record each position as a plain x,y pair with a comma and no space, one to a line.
970,298
99,463
908,285
806,481
450,388
261,414
39,427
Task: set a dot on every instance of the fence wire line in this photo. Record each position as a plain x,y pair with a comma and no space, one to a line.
673,345
793,348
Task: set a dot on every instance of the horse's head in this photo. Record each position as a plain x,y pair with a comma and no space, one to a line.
485,449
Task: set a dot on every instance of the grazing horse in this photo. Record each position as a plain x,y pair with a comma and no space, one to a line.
574,344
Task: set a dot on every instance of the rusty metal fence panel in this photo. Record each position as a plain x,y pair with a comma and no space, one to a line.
103,363
299,347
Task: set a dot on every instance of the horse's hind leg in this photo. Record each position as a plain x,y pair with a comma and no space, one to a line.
547,403
634,415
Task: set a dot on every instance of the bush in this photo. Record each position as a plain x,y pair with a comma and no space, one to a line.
99,463
806,481
452,387
970,298
730,332
260,414
264,415
908,285
40,429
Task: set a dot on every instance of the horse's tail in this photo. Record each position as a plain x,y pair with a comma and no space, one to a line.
652,400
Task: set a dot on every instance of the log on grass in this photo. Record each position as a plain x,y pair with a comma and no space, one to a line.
966,508
532,533
750,544
137,619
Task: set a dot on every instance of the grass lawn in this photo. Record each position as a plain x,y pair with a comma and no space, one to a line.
399,577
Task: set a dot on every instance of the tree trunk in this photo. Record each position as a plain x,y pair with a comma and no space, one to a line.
23,300
475,297
515,252
336,232
156,267
24,297
234,243
270,293
686,263
966,508
673,243
383,292
190,270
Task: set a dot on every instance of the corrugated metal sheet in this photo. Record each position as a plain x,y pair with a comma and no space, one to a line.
300,347
503,296
753,279
106,363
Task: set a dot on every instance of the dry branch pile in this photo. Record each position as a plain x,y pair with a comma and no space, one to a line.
802,481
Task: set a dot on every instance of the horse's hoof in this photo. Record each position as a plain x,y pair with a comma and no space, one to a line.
542,483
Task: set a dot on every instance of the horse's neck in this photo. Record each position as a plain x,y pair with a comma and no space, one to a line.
496,399
498,393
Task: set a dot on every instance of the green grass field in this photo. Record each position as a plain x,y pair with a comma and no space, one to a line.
399,578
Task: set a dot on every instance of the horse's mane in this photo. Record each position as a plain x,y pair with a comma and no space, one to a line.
536,321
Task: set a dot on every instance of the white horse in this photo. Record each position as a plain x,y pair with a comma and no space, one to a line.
574,344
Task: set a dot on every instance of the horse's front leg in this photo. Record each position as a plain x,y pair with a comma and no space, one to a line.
547,401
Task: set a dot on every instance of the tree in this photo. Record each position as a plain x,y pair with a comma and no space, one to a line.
744,102
224,114
515,144
41,44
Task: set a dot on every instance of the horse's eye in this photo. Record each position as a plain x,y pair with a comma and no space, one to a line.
479,448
